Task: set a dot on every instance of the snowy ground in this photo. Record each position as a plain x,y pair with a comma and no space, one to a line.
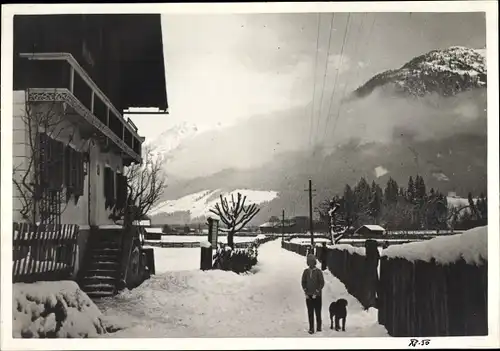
176,259
268,303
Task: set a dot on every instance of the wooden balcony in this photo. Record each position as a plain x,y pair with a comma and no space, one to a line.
57,77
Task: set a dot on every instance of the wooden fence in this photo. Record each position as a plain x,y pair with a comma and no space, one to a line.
44,252
414,299
297,248
357,269
425,299
194,244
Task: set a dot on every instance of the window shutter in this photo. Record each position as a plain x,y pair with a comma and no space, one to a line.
121,187
112,189
73,170
67,166
125,191
42,159
81,175
108,190
57,163
78,173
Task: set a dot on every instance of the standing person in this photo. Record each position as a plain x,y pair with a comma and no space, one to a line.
323,257
312,284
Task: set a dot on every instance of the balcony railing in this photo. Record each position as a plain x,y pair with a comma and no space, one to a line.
59,77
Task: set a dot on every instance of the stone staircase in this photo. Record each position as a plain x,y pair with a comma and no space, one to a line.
101,270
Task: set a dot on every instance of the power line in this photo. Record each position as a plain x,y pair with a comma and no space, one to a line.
337,74
345,87
314,88
324,75
368,47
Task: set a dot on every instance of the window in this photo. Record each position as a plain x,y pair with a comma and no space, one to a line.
60,165
50,162
74,175
122,191
109,187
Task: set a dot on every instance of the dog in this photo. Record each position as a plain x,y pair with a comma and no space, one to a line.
338,309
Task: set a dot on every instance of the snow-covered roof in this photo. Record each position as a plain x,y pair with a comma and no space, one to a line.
471,245
373,227
154,230
143,223
269,225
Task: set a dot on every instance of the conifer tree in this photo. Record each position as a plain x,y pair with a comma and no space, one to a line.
391,191
411,190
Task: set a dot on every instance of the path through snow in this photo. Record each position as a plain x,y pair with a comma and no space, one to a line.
269,303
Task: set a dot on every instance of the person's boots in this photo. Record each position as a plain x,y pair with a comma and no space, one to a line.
311,328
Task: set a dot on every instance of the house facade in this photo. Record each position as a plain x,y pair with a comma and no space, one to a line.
370,230
74,75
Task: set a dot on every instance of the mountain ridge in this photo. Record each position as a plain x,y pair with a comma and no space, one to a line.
455,161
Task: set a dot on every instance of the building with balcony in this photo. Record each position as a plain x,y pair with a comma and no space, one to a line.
74,76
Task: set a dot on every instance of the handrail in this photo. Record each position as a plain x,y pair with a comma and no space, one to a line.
65,56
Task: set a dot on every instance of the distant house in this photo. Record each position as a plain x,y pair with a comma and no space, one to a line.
269,227
153,233
143,223
299,224
370,230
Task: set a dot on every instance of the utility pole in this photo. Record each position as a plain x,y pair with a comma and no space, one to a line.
311,226
283,226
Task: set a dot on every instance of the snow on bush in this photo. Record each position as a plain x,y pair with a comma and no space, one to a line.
471,245
205,244
349,248
237,260
56,310
260,237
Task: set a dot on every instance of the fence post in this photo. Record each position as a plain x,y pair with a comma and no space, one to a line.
371,275
206,258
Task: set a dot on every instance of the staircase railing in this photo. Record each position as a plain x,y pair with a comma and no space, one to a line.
127,241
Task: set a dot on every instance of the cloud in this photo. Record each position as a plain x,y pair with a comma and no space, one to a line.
340,62
217,75
380,171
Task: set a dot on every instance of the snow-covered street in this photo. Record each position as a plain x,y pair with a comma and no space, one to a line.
267,303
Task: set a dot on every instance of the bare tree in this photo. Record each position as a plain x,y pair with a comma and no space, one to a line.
146,183
234,215
30,176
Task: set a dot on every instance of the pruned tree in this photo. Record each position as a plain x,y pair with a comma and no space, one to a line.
234,215
41,175
145,184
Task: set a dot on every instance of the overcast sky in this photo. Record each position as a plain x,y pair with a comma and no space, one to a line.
225,69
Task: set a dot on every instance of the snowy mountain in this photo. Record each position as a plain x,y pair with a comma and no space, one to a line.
172,138
446,72
199,204
453,80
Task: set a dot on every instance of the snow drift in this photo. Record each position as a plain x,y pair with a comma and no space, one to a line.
56,310
471,246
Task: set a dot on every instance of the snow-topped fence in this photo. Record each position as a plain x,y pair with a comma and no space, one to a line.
356,267
43,252
436,287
